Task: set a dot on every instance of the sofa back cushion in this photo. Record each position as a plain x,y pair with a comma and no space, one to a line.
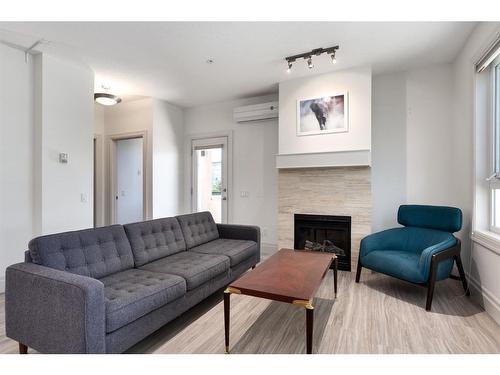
154,239
447,219
94,252
198,228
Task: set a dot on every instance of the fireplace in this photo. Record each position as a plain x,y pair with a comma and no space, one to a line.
325,233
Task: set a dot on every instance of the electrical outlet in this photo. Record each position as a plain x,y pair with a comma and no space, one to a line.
244,194
83,198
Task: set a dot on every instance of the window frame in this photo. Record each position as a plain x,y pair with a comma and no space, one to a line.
494,180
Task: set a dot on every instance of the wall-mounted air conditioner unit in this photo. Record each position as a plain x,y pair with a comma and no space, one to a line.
257,112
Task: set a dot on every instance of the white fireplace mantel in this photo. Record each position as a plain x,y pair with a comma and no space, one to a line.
354,158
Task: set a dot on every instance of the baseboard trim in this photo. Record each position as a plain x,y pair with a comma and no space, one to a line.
489,302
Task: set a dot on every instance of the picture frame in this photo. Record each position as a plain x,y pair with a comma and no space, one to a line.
323,114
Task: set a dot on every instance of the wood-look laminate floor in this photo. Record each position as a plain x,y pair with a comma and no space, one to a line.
379,315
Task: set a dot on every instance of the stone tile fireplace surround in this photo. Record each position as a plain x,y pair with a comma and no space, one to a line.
340,191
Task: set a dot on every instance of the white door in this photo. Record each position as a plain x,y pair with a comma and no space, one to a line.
129,197
209,167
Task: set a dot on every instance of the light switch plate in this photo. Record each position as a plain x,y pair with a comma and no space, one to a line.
63,158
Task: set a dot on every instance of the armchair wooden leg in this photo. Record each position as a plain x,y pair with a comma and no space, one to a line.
23,349
431,283
358,270
461,272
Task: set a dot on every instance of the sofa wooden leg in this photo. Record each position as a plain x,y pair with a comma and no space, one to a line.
23,349
358,271
431,283
461,272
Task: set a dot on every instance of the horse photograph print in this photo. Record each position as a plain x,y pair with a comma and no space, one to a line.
323,115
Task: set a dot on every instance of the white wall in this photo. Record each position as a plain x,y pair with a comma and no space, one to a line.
412,145
168,159
163,124
255,146
46,107
481,261
124,119
357,82
429,134
65,122
16,155
388,148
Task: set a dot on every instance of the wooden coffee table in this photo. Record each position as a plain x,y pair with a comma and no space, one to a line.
291,276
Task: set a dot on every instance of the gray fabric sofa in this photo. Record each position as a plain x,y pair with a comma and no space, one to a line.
102,290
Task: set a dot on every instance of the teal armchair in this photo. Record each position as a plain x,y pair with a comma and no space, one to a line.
422,252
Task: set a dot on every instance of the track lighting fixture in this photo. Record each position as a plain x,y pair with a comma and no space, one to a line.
308,56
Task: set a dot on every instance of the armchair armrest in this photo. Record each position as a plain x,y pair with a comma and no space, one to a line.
239,232
54,311
443,250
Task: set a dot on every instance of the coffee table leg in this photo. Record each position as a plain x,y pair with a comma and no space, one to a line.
309,329
227,294
335,268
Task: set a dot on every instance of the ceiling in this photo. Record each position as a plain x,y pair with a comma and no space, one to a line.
167,60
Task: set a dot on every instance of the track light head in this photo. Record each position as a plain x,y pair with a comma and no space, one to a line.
334,59
310,64
289,69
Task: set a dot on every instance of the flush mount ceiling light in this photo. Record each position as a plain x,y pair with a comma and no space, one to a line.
105,98
308,56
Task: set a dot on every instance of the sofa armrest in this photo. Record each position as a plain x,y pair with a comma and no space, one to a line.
54,311
239,232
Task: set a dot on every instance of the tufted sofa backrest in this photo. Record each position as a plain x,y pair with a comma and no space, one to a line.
198,228
94,252
154,239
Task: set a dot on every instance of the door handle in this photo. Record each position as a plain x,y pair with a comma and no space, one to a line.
224,198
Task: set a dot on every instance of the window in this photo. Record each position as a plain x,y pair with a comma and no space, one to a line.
495,179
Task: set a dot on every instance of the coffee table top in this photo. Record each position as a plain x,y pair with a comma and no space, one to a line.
287,276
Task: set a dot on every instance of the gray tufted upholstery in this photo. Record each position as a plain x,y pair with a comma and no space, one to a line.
134,293
155,239
91,252
236,250
195,268
198,228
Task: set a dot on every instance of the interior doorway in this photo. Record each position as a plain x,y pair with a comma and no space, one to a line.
128,181
210,176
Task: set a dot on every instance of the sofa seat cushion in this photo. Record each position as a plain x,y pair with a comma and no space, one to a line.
195,268
134,293
402,264
236,250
